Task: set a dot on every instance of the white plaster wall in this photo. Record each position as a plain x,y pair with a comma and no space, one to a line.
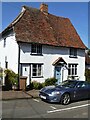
50,54
10,51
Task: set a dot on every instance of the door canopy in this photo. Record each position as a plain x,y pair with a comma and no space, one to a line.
59,61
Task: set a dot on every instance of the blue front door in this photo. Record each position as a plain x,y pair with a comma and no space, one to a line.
58,74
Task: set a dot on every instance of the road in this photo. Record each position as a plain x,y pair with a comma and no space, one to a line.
35,108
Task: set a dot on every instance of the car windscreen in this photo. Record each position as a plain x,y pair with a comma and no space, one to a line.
69,84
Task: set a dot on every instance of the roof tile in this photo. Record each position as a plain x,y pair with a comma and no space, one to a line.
36,27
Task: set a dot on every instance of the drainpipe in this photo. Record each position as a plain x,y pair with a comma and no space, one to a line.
18,66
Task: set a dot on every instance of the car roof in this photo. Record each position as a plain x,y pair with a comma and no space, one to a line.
78,81
73,80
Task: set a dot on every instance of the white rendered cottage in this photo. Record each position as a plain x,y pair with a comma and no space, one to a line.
40,45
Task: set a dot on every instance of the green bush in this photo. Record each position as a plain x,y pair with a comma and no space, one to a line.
37,85
50,81
87,75
29,87
11,78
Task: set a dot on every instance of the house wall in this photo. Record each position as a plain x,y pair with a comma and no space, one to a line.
9,53
50,54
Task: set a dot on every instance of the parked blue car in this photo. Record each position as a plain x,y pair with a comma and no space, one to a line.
66,92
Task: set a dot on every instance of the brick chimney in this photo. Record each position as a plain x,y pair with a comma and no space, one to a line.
44,8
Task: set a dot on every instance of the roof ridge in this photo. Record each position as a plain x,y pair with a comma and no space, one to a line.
28,8
19,16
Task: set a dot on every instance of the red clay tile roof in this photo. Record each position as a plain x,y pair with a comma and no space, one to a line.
38,27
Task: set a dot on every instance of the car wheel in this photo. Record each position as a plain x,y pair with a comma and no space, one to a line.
65,99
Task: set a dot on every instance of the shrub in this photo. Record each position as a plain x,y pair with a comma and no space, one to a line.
11,78
50,81
29,87
37,85
87,75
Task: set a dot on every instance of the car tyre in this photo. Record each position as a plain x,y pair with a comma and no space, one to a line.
65,99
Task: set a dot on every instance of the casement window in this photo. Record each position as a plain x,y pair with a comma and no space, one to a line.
73,52
4,45
36,70
36,49
72,69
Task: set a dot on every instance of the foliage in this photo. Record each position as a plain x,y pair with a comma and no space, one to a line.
88,51
11,77
87,75
1,73
37,85
50,81
87,72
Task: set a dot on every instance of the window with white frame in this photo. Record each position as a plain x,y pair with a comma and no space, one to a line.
73,52
72,69
36,49
36,70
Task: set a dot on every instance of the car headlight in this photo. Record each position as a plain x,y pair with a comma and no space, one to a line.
54,93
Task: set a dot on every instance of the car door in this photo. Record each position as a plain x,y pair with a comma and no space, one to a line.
81,90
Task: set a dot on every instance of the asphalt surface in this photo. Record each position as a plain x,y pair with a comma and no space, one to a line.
36,108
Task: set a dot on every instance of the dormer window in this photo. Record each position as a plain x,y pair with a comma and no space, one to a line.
73,52
36,49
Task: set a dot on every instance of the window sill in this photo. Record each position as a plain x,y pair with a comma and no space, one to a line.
73,57
72,75
36,54
37,76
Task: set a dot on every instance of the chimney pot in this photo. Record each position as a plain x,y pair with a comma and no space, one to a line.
44,7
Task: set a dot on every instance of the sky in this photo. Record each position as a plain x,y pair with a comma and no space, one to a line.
77,12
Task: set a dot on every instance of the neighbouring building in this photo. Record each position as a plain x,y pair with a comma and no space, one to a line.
40,45
87,60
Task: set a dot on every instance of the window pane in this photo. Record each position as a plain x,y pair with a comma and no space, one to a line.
39,49
73,52
68,71
39,70
4,42
36,48
72,69
34,70
6,64
75,71
33,48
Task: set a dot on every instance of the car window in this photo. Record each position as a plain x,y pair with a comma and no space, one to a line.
67,83
82,85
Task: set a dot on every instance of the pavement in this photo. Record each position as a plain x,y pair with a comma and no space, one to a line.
12,95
